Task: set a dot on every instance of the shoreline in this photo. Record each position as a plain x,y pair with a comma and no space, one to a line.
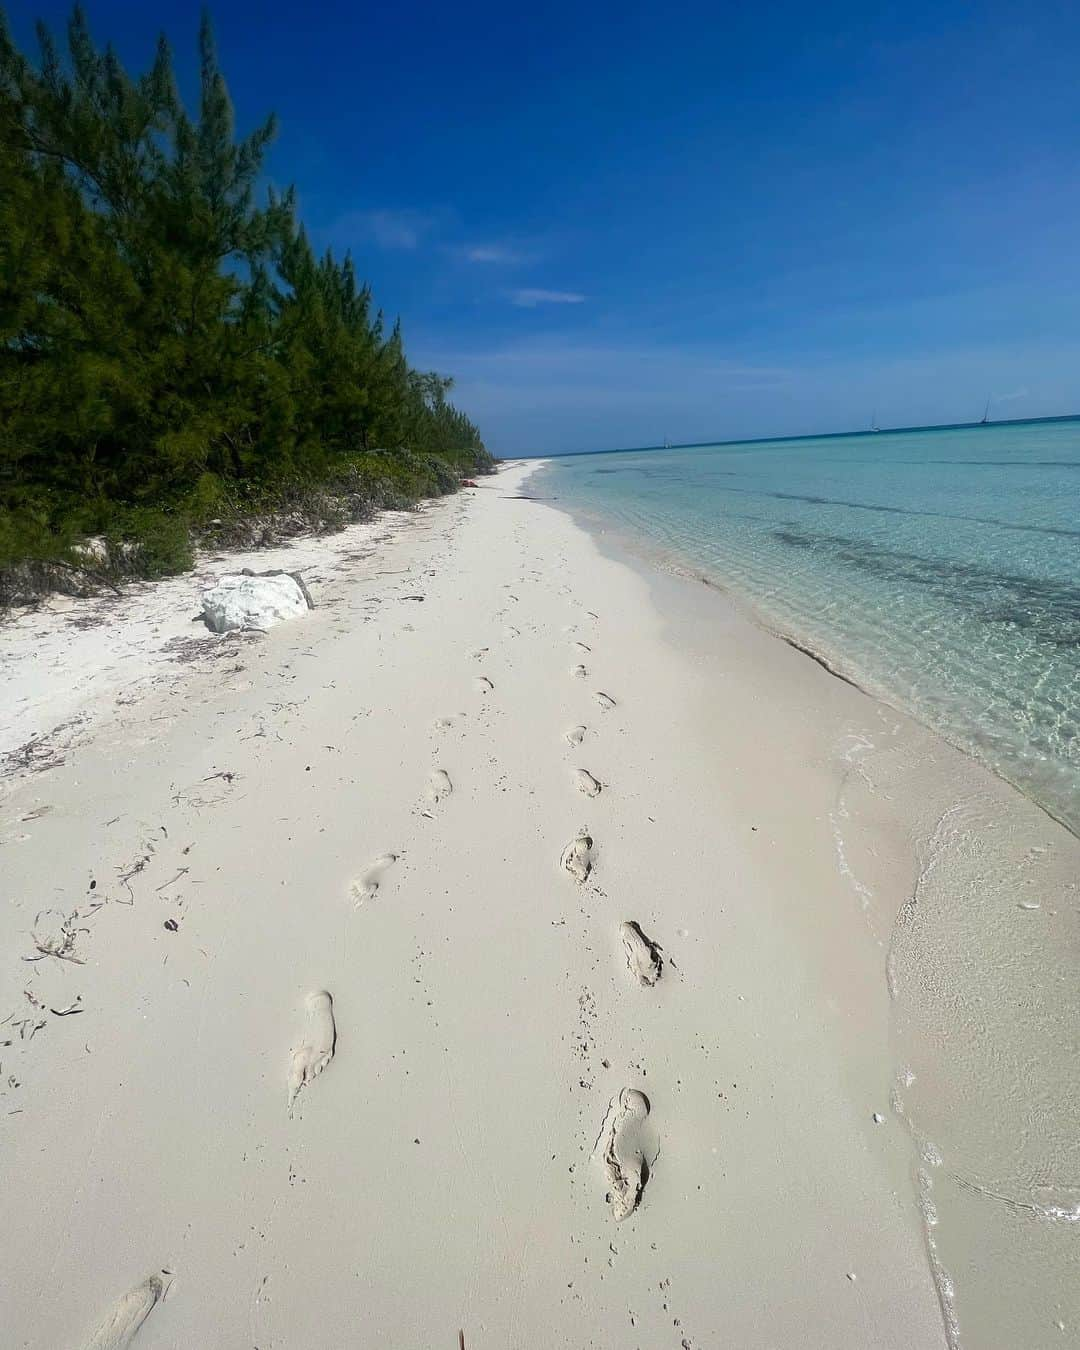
651,554
794,847
940,820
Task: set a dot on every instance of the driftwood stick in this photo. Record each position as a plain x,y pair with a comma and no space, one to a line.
88,571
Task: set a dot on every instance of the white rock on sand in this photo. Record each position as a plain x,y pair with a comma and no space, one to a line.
242,600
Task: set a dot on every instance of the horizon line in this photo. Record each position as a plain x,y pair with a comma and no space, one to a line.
801,436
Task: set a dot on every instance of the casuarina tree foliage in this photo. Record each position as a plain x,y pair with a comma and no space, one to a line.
171,347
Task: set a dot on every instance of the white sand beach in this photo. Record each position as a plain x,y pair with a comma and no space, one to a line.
321,1013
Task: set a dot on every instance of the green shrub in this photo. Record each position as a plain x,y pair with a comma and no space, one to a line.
146,541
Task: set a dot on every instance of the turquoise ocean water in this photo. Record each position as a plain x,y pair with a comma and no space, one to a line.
938,568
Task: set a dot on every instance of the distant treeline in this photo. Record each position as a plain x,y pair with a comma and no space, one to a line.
172,351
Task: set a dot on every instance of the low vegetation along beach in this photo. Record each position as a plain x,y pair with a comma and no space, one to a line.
432,916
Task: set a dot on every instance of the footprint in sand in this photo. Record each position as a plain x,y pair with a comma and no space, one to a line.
577,857
367,886
511,632
439,786
127,1315
316,1050
625,1168
586,783
579,672
605,700
483,685
642,954
575,735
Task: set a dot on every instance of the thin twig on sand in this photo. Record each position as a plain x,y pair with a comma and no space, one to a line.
182,873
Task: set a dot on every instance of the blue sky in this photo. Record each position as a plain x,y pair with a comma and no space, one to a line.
614,225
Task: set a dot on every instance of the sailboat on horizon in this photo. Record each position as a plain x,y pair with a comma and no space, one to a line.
873,421
986,414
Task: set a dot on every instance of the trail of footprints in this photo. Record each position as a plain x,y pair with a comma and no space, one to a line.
622,1145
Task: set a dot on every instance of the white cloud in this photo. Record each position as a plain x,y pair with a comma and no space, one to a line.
492,253
398,229
389,229
528,297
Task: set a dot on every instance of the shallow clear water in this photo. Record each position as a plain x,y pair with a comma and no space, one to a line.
940,569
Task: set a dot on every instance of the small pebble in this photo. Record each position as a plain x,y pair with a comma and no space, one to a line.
879,1119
